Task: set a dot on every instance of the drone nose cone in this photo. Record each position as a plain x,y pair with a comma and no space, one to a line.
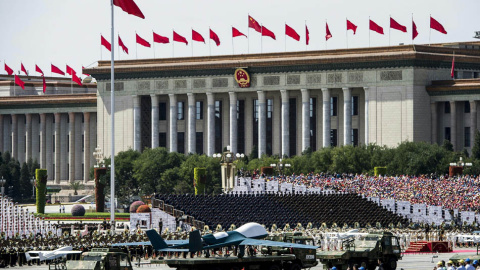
252,230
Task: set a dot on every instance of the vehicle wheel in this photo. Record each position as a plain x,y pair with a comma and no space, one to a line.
274,267
392,263
295,266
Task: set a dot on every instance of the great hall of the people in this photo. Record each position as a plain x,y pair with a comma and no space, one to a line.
291,102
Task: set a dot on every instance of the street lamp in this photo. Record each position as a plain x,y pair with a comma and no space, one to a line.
477,34
33,186
2,182
280,166
460,163
98,154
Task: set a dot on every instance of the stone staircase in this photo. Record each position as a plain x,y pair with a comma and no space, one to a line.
66,193
415,247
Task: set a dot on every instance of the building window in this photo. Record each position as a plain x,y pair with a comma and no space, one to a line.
355,137
68,143
25,143
180,110
255,125
53,143
241,126
199,110
83,171
181,142
333,106
162,139
218,126
83,143
447,107
40,143
354,105
333,137
199,143
269,126
467,106
447,134
292,129
467,137
162,111
83,118
313,124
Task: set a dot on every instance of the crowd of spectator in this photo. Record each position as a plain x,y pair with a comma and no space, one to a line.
460,192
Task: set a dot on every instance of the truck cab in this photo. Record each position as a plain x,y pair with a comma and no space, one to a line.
101,259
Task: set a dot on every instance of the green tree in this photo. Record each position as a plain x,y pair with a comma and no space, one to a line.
476,146
125,182
447,145
25,187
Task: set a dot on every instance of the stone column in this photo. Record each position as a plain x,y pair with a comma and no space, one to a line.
28,134
57,148
191,124
473,121
43,141
305,119
136,123
433,111
173,122
285,123
453,124
211,124
366,115
14,136
2,145
347,116
86,146
155,117
326,117
233,122
71,147
262,124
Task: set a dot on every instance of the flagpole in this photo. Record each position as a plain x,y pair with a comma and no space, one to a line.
248,33
389,31
136,43
118,46
101,58
173,45
153,46
306,46
209,47
412,28
261,39
233,47
112,137
346,31
326,40
285,38
369,30
192,41
430,30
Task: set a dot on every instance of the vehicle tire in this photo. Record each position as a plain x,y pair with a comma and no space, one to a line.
274,267
295,266
392,264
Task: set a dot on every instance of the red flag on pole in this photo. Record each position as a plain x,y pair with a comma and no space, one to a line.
252,23
44,84
160,39
23,69
434,24
291,33
375,27
452,72
414,30
37,69
84,72
130,7
307,35
142,41
178,38
70,70
236,33
197,37
395,25
214,37
76,79
121,44
57,70
19,82
328,34
8,69
105,43
351,26
267,33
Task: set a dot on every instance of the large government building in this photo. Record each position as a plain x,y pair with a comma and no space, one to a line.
276,104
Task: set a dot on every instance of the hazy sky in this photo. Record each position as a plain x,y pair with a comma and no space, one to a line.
68,31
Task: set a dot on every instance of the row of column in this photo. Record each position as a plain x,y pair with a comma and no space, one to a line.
15,139
262,121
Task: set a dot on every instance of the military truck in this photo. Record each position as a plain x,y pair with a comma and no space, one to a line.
101,259
364,251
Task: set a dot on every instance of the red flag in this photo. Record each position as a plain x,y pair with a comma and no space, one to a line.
291,33
23,69
57,70
214,37
375,27
452,72
197,37
328,35
395,25
44,84
37,69
8,69
267,33
121,44
351,26
434,24
142,41
307,35
105,43
252,23
414,31
236,33
19,82
178,38
160,39
70,70
76,79
130,7
84,72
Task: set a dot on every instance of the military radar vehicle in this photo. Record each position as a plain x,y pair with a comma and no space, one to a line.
101,259
365,251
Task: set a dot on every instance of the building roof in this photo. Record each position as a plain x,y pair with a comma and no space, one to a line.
37,81
454,85
70,99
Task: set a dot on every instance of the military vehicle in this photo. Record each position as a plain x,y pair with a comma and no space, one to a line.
101,259
364,251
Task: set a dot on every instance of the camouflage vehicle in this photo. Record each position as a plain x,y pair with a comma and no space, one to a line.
364,251
456,258
101,259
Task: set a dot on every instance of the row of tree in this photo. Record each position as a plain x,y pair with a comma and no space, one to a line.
17,177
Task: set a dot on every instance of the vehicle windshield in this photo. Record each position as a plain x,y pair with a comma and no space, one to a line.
366,241
92,258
